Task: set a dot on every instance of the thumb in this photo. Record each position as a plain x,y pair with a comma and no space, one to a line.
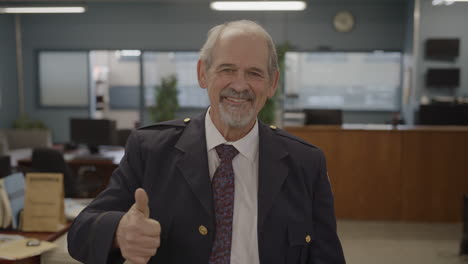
141,202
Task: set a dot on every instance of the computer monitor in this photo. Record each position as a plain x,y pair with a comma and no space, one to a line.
443,114
442,48
93,132
323,117
443,78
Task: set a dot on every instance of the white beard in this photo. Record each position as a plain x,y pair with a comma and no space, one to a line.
236,117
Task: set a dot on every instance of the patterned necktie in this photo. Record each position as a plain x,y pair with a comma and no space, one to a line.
223,196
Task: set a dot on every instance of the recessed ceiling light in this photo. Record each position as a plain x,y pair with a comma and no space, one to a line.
446,2
258,5
43,9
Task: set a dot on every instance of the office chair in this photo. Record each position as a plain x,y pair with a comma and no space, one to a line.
5,166
51,160
464,242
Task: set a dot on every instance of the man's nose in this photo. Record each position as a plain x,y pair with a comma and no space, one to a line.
240,82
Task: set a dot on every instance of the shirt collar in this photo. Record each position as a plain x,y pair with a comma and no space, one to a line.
247,146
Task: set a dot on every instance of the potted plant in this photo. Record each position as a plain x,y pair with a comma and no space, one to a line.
166,103
25,123
28,133
268,112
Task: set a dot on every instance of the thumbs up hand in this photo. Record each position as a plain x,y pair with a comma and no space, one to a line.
138,236
141,202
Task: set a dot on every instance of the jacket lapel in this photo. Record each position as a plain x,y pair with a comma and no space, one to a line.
272,173
193,162
193,165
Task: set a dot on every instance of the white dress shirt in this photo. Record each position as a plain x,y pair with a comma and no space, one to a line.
244,247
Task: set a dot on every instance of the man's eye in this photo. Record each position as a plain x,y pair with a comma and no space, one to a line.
255,74
227,70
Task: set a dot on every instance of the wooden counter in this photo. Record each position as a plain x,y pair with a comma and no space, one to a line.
380,173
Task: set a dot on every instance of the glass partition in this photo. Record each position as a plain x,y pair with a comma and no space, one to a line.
343,80
183,65
63,78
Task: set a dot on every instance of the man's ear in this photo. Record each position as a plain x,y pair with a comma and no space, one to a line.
201,74
273,85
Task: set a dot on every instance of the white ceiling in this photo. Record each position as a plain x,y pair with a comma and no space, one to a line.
179,1
106,1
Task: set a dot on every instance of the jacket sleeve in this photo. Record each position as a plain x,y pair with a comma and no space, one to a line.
327,249
91,236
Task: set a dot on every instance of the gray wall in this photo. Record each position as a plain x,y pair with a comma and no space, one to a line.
444,22
8,84
379,25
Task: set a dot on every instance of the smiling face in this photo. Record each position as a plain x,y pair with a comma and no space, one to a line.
238,81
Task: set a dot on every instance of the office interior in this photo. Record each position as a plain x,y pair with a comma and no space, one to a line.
396,151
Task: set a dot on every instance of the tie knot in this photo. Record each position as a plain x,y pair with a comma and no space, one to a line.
226,152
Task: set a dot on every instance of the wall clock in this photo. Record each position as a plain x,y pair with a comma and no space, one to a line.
343,21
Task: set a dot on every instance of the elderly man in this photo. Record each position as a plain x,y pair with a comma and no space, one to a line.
222,187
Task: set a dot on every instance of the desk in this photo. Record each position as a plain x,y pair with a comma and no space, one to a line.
100,169
95,168
59,255
411,173
47,236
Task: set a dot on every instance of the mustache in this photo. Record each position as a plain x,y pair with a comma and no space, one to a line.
244,95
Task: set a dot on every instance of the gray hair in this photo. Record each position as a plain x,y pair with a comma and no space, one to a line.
247,26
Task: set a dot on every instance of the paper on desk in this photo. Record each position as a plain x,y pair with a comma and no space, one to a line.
73,206
18,250
8,238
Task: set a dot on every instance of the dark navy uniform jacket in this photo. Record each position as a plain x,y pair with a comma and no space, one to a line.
296,221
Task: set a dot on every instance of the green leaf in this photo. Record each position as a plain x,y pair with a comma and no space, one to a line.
24,122
166,104
267,114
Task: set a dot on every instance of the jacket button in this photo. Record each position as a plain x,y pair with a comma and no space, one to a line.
308,238
203,231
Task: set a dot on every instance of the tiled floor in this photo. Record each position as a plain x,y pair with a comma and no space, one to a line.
400,243
366,242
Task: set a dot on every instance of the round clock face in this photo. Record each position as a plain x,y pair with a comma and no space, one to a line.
343,21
